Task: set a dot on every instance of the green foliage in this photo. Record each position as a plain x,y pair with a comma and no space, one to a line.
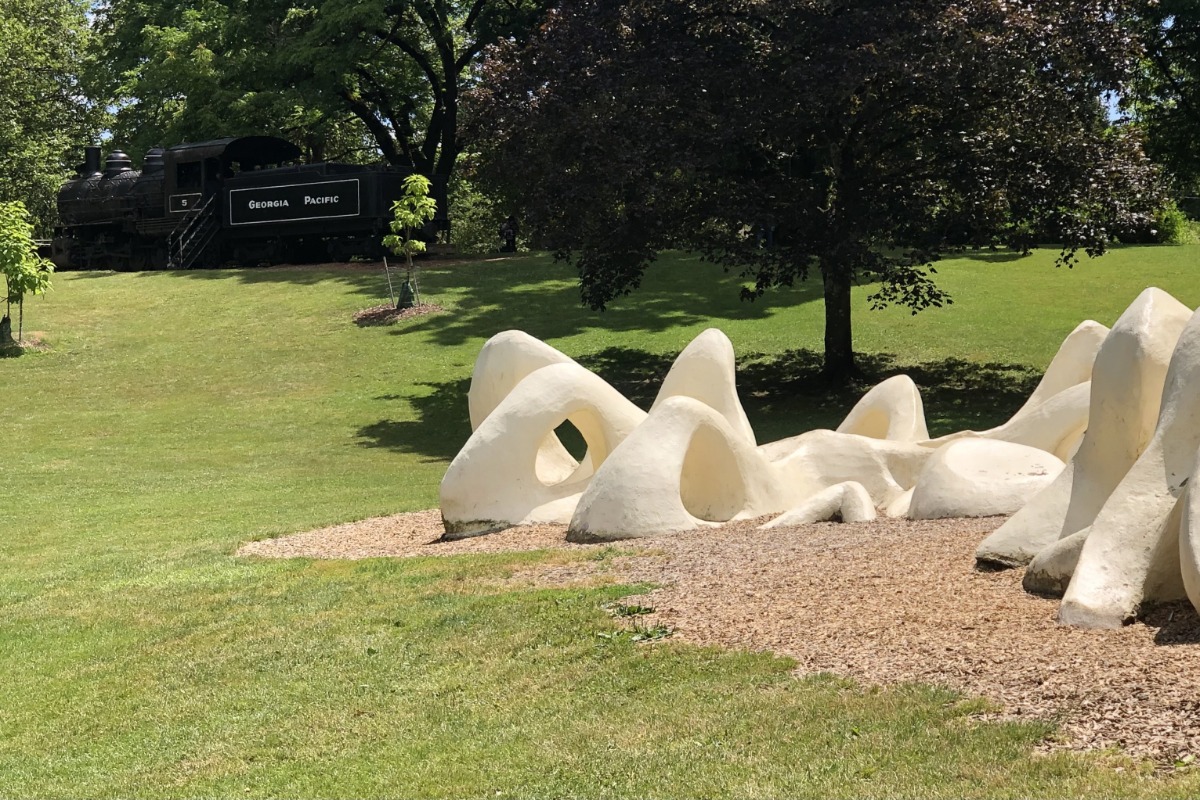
637,633
629,609
24,271
200,70
342,77
409,215
1172,226
1164,101
45,115
475,216
849,142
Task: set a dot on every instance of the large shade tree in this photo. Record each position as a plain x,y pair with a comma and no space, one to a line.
190,70
325,72
1165,100
850,141
45,117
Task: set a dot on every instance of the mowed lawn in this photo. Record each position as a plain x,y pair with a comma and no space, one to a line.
178,415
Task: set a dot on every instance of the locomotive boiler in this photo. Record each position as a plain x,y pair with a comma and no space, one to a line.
244,201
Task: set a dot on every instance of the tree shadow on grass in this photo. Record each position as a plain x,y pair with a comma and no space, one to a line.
786,394
84,274
32,343
542,298
990,257
442,425
783,395
364,278
535,294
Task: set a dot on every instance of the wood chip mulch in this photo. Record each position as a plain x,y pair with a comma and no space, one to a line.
885,602
386,314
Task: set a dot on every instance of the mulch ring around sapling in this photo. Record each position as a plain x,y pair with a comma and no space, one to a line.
34,342
387,314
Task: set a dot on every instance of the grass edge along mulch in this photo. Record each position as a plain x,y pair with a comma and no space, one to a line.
887,602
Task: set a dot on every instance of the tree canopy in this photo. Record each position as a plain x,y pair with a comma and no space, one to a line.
44,113
854,141
1165,100
204,69
335,73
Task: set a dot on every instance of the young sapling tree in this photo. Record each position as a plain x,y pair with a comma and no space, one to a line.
25,272
410,213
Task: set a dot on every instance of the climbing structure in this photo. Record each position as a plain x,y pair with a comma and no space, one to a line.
1095,468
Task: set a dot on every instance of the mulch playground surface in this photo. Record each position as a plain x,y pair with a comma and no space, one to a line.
885,602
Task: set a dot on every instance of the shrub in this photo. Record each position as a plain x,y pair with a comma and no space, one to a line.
475,217
1173,226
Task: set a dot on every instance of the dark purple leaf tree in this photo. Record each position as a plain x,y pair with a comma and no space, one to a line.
854,142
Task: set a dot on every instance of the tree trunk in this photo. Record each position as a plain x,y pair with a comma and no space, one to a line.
839,345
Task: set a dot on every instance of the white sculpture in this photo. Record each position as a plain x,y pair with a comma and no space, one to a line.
693,461
1115,531
892,410
1055,415
685,467
1125,392
1189,540
846,502
513,469
705,371
980,478
1132,552
1095,468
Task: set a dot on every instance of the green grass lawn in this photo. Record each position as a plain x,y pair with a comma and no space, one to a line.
178,415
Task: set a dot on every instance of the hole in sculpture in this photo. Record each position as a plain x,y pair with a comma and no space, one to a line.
571,439
710,485
564,454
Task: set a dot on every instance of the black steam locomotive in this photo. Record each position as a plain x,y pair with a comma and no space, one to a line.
244,201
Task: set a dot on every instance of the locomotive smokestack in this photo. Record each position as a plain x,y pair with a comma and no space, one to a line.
91,162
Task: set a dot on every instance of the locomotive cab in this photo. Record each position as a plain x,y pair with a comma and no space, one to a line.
196,172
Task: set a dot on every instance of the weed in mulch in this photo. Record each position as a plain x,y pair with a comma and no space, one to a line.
638,633
388,314
628,609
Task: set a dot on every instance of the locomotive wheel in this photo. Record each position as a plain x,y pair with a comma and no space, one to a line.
275,252
158,257
316,251
142,259
149,257
123,262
